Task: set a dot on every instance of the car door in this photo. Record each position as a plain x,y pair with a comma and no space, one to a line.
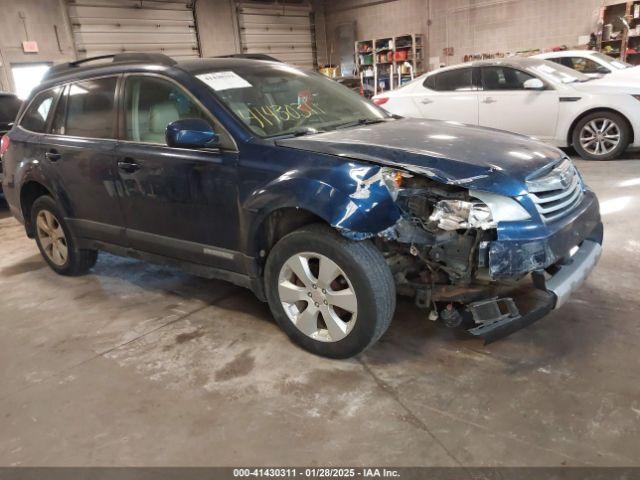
179,203
80,153
449,95
506,104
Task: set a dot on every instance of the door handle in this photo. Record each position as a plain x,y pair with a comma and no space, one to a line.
52,155
489,100
426,101
128,165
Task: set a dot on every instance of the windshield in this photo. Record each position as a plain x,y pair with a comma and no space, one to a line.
617,64
557,73
277,99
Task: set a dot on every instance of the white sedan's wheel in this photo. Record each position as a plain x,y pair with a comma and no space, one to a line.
318,297
600,136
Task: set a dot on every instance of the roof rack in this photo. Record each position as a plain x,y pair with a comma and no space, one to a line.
251,56
119,58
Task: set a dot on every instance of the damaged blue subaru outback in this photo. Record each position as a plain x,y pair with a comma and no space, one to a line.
291,185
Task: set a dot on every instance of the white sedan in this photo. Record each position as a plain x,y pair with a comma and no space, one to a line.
593,64
529,96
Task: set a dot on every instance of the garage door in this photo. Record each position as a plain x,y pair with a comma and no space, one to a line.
102,27
281,31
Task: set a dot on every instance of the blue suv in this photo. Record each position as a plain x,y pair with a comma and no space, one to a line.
289,184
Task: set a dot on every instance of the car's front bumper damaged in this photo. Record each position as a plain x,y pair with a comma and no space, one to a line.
511,258
499,317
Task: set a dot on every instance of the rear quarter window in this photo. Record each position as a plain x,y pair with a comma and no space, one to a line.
430,82
37,114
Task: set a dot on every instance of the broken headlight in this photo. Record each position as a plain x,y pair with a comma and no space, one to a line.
483,211
459,214
393,180
503,209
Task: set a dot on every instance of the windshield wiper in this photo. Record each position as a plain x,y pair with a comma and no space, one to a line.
304,131
360,121
299,132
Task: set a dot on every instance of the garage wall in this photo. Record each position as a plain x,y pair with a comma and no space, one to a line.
470,26
41,19
374,19
217,27
508,25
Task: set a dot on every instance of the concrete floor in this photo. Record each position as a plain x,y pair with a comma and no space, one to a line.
137,364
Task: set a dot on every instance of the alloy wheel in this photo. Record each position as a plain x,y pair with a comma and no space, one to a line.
318,297
600,136
52,238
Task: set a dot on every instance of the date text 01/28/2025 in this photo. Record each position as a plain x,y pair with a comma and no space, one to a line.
315,473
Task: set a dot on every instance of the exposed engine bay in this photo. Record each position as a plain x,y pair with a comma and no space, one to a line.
438,253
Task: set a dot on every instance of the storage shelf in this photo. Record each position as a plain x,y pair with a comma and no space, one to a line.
376,60
613,15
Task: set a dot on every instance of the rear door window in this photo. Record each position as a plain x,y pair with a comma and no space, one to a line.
459,79
36,117
91,109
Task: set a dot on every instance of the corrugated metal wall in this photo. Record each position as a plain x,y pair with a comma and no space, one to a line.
282,31
102,27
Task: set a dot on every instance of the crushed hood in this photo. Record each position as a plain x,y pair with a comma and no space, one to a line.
449,152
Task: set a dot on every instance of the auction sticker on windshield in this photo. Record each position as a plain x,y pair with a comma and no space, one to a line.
224,80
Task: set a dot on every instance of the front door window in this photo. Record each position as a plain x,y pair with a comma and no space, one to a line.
151,104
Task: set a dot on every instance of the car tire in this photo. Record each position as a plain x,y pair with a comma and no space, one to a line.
352,299
55,241
594,135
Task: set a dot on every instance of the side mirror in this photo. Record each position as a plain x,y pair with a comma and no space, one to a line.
191,133
534,84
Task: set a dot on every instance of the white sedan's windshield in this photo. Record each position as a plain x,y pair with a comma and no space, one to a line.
612,62
277,99
557,73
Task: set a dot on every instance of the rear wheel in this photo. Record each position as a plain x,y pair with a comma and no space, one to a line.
601,136
332,296
55,241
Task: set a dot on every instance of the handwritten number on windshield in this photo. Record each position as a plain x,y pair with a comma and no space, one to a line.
266,115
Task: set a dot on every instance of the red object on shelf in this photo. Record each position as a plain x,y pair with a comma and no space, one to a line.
380,100
400,55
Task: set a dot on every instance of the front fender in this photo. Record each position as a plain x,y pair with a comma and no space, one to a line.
351,198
